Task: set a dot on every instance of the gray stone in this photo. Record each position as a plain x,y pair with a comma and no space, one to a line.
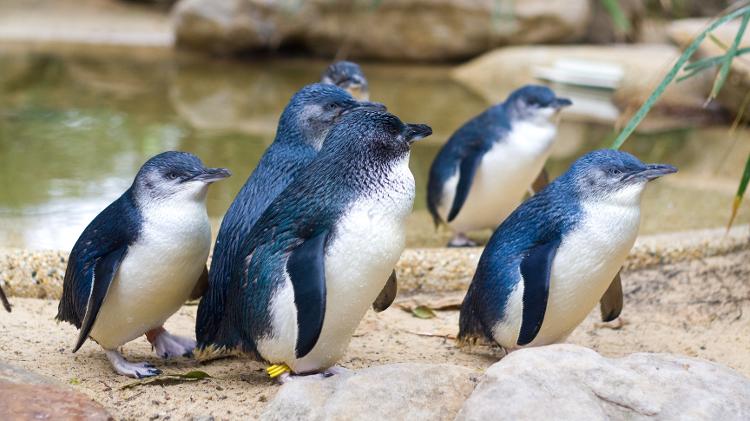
394,391
25,395
572,382
391,30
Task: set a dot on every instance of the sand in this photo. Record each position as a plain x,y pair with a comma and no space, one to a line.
699,308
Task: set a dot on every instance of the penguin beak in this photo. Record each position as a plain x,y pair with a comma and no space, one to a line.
211,175
650,172
414,132
559,103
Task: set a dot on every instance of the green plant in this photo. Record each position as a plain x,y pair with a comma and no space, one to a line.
724,61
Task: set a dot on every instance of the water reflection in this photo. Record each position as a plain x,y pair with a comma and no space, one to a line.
75,128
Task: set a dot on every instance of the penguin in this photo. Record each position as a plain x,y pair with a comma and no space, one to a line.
552,259
303,126
139,260
348,76
322,251
484,169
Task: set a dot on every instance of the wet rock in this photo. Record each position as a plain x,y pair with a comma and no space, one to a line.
497,73
396,29
25,396
394,391
734,95
573,382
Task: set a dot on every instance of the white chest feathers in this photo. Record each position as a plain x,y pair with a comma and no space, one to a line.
585,264
367,242
158,273
503,177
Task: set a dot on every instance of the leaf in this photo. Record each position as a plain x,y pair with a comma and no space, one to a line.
165,379
721,77
74,380
740,192
669,77
423,312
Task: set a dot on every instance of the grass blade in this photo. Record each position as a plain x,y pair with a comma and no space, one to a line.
689,51
618,16
721,77
713,61
740,192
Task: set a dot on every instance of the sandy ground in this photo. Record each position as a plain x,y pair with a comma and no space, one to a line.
699,308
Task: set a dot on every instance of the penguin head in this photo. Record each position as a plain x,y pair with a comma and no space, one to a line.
348,76
614,176
375,131
175,175
536,103
314,109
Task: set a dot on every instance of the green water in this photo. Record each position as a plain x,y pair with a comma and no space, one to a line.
74,129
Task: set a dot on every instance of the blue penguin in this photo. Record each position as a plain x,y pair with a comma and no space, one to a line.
322,251
140,259
302,128
348,76
551,260
484,169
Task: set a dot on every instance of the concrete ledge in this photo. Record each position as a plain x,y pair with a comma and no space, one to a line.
39,274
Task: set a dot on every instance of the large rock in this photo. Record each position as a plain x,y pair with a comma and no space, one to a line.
395,391
389,29
497,73
28,396
734,94
572,382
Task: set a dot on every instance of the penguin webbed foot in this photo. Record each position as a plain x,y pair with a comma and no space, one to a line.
167,345
461,240
134,370
329,372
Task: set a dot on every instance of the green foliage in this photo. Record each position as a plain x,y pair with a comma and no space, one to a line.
165,379
724,60
618,16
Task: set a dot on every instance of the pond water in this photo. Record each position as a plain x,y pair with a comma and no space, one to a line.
75,127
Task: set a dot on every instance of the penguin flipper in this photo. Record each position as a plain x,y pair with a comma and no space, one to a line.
536,269
201,286
4,300
306,268
611,302
387,295
467,169
104,272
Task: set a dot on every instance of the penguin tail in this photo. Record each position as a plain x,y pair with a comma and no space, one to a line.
470,326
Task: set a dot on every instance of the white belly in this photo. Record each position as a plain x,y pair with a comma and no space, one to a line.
502,179
157,274
585,264
367,244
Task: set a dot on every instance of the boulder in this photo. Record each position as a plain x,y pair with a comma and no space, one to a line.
734,95
495,74
573,382
394,391
387,30
28,396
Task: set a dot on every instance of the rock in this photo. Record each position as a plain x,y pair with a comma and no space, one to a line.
396,29
497,73
26,395
394,391
734,94
573,382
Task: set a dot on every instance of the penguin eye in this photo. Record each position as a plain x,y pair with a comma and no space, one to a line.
172,175
614,171
332,106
